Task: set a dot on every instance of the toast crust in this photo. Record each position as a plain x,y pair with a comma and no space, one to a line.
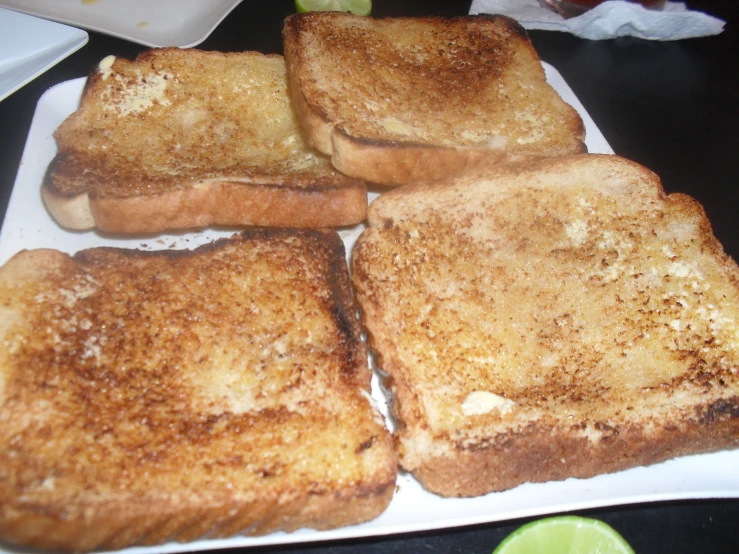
407,163
372,93
188,130
169,396
559,319
538,453
208,202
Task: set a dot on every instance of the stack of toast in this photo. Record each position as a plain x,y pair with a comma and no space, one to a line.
537,312
183,139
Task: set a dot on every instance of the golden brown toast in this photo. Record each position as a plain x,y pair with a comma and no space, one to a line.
182,139
402,100
167,396
559,319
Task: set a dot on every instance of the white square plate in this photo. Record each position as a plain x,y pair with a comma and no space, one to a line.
27,225
29,46
182,23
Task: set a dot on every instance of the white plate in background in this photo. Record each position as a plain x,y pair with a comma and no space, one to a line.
28,225
155,23
29,46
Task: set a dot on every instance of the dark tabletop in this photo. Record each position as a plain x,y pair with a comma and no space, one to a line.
671,106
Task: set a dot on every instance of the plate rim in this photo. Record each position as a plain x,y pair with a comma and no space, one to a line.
188,37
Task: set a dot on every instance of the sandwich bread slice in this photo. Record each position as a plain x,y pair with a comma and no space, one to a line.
402,100
182,139
560,319
163,396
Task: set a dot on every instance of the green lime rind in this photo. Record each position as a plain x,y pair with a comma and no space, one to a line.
356,7
564,535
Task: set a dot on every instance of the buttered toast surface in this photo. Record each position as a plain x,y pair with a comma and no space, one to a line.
181,139
401,100
174,395
561,319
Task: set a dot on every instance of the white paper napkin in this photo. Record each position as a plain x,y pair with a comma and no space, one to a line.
610,19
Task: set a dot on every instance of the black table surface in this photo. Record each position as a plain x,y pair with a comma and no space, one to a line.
671,106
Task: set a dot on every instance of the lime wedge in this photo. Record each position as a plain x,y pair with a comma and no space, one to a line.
357,7
564,535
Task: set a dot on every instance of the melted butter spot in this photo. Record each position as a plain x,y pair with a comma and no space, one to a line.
105,66
483,402
138,95
395,126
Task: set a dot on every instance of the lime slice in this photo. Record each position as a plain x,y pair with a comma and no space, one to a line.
357,7
564,535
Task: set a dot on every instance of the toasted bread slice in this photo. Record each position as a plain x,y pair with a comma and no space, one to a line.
156,396
562,319
402,100
182,139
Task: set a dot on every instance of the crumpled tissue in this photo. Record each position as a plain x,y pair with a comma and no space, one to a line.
615,18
